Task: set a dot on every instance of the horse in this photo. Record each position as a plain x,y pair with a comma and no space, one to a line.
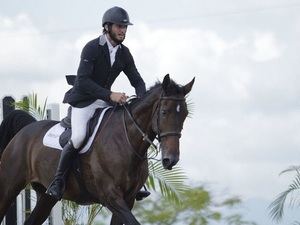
115,168
15,121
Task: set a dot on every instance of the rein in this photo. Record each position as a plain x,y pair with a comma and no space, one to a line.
145,136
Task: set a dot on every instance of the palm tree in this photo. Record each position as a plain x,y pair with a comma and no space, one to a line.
30,104
277,206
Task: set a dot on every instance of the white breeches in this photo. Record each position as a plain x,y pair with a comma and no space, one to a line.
79,119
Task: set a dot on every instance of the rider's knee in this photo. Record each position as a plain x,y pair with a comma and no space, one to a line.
77,141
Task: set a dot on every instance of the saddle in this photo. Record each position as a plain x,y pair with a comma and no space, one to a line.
66,123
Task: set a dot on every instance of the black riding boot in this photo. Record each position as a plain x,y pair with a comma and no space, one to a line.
57,187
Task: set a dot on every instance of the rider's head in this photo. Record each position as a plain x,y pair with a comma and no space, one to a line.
115,21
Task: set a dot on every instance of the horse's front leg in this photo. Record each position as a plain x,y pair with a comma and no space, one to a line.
122,212
41,210
115,220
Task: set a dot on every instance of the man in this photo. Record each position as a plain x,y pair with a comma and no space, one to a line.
102,60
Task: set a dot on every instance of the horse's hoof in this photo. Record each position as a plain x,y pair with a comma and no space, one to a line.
53,193
141,195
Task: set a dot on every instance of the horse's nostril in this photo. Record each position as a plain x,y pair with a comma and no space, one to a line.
166,162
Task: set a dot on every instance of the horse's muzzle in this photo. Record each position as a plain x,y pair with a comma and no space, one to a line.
169,162
169,147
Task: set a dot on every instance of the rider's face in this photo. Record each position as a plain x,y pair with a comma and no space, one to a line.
118,33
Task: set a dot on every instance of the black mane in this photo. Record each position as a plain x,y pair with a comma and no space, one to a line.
172,89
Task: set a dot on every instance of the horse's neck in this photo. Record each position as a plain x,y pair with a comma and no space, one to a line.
143,112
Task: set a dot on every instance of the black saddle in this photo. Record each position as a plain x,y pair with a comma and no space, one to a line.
66,123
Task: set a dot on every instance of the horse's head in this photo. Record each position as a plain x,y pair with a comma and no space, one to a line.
167,122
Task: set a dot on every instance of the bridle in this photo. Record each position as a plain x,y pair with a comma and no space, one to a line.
159,134
166,133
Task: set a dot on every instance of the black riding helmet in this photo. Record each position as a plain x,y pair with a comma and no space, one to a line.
116,15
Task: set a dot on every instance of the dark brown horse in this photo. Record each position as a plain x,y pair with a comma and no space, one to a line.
116,167
11,125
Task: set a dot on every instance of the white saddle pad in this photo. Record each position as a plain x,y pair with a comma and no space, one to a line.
51,138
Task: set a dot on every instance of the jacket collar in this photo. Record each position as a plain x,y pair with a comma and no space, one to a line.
102,41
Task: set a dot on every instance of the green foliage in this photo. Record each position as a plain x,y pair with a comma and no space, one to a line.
30,104
92,212
71,212
231,202
237,219
197,208
170,182
277,206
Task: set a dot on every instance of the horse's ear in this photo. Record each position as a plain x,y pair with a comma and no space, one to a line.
166,82
188,87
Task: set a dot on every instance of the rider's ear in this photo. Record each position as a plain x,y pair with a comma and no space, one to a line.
166,82
188,87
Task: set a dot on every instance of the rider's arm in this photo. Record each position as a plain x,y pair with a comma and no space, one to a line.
133,75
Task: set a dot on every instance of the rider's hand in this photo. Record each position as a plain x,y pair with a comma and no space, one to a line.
118,97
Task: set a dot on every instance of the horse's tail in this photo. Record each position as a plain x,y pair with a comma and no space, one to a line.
10,126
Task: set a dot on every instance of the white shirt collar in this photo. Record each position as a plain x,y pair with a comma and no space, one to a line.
112,50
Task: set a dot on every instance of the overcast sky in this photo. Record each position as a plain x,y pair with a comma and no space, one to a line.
244,54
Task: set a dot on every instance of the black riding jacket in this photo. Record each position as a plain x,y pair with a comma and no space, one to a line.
95,74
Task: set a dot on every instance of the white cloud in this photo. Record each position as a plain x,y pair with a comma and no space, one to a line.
266,47
26,52
30,60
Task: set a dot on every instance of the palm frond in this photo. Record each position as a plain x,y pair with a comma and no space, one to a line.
277,206
152,153
170,182
30,104
93,211
71,212
291,169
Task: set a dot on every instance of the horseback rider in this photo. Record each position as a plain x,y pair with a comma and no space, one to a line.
102,60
